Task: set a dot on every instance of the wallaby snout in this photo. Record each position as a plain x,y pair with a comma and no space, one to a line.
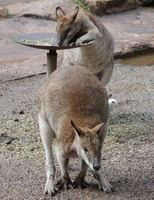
96,167
59,40
96,164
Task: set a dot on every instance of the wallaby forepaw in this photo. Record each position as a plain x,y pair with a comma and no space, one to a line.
50,189
72,44
81,41
80,183
78,42
64,184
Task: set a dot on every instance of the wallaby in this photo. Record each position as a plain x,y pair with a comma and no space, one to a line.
82,27
73,114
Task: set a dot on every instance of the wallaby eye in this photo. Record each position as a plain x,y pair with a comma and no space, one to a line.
86,150
67,31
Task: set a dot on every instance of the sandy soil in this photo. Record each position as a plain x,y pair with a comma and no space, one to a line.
128,155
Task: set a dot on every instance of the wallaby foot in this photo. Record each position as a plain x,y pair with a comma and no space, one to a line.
50,188
106,188
80,183
103,183
64,183
47,135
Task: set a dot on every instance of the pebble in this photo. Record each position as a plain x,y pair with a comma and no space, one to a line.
21,112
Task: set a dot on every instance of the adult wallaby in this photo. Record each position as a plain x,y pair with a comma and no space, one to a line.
73,113
79,27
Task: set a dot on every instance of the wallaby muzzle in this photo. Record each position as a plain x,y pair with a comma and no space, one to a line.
60,40
96,164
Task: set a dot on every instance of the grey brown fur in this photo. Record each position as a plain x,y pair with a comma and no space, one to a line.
83,27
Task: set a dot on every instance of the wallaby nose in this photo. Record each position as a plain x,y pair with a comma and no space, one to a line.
59,43
96,167
59,40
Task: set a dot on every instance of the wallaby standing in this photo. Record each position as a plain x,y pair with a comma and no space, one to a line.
81,27
73,112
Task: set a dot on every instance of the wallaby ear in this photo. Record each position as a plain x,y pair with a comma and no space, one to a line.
74,15
59,12
77,129
98,129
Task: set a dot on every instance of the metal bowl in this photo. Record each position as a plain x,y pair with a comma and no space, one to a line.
44,41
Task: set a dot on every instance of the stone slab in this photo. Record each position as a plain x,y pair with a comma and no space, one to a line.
132,31
100,7
42,9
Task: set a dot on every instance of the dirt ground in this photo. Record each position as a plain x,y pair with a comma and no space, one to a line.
128,155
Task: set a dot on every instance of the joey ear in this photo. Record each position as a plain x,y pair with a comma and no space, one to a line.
59,12
77,129
74,15
99,128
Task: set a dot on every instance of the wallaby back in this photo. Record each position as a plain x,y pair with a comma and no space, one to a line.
73,94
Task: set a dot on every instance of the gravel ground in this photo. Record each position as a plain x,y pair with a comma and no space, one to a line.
128,155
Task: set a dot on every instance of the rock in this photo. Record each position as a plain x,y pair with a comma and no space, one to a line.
8,2
42,9
101,7
16,120
147,2
3,12
135,33
21,112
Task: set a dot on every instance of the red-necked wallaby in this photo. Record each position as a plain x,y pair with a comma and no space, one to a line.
81,27
73,113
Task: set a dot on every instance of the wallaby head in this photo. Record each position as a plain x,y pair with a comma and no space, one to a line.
88,144
67,26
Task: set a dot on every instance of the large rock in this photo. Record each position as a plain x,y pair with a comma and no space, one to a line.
100,7
3,12
39,8
148,2
132,31
8,2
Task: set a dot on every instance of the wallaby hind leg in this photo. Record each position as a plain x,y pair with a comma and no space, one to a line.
103,182
105,75
64,181
79,181
47,136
